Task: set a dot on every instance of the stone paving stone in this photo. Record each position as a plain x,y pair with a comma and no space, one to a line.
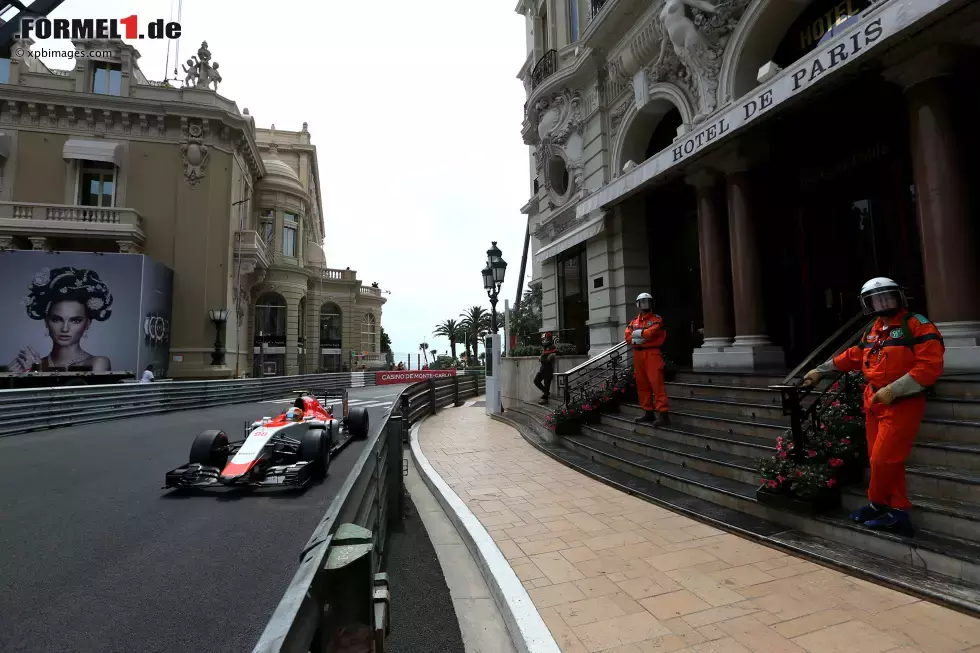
612,573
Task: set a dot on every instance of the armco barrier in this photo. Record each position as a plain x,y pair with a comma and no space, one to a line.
45,408
338,599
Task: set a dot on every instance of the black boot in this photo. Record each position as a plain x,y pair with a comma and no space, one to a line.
544,400
647,417
663,419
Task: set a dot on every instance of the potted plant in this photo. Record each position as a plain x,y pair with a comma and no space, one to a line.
670,368
801,487
564,420
607,398
589,409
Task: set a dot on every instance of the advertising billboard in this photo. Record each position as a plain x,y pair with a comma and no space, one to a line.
84,312
411,376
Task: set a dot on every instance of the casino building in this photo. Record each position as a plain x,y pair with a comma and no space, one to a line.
101,159
751,163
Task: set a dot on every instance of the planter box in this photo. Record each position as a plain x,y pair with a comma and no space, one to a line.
825,502
851,473
591,416
566,428
609,406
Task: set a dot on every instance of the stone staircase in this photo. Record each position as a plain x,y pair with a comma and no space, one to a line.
704,465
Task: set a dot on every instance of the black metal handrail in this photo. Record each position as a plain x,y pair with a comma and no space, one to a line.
546,66
591,375
794,395
596,6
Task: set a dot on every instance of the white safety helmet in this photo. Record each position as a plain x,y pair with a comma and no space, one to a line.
644,302
882,296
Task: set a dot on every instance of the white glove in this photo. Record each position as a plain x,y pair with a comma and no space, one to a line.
638,338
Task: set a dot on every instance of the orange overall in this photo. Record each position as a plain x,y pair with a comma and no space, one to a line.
896,346
648,364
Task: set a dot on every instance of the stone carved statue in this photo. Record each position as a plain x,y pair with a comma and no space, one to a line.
195,154
693,49
199,71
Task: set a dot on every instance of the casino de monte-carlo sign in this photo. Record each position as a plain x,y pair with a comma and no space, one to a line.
875,27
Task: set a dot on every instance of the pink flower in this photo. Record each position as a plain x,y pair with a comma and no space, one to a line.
831,482
836,462
771,484
845,441
784,455
799,473
835,403
848,419
779,446
781,479
829,444
835,386
811,453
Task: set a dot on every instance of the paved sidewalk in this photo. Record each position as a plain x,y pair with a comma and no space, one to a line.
610,572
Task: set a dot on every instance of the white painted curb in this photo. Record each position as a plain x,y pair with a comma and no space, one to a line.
527,629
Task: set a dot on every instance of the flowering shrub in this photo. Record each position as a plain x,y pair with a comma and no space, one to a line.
835,446
564,415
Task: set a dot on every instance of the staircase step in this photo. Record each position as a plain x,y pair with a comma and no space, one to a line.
759,395
953,408
718,463
943,483
930,453
916,580
751,379
959,387
727,406
718,421
949,517
746,446
950,430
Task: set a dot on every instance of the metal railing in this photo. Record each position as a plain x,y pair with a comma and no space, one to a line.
546,67
596,6
607,367
35,409
805,404
339,597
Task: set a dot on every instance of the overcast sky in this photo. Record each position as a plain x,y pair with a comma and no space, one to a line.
416,113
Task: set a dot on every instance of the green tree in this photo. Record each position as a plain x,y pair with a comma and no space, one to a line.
474,322
449,329
525,322
385,342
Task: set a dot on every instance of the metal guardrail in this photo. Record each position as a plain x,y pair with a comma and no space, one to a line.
34,409
339,598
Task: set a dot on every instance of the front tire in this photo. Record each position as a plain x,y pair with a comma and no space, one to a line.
210,448
314,448
358,423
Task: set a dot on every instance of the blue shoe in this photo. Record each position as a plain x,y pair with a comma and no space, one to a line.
868,513
893,521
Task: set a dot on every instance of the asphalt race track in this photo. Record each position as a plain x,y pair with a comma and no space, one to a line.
95,556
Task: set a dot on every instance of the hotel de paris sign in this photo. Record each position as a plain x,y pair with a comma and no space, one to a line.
877,26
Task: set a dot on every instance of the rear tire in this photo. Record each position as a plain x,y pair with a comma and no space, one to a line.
314,448
210,448
358,422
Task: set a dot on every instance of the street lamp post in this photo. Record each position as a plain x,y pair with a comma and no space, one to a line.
493,279
218,316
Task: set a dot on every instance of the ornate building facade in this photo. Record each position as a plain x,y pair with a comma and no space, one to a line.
101,159
750,163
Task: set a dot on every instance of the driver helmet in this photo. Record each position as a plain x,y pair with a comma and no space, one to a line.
882,296
644,302
294,414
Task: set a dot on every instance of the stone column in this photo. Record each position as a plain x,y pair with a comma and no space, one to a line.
716,293
949,254
752,348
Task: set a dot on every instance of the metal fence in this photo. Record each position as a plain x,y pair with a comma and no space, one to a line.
339,598
46,408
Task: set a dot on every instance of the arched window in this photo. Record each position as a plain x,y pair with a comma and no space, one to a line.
369,334
331,337
270,320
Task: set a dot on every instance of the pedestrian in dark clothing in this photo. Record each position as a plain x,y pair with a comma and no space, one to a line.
542,379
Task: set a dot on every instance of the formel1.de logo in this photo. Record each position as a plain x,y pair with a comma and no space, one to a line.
87,29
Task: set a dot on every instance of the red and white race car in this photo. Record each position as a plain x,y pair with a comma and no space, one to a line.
291,450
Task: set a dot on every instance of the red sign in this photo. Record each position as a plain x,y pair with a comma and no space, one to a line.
411,376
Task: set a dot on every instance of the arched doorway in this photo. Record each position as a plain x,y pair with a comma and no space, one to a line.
369,335
672,241
301,330
331,338
269,339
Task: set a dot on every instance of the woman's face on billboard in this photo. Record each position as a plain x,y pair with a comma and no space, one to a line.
67,322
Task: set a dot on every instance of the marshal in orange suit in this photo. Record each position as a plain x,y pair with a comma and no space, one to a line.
901,356
646,334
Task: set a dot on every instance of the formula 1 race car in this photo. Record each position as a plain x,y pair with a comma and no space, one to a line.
290,450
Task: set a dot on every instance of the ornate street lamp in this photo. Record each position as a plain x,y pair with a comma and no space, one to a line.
218,316
493,279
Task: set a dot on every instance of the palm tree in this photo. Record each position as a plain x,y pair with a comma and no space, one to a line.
474,322
449,329
425,349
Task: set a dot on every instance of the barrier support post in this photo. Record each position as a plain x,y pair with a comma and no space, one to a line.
350,614
432,394
396,486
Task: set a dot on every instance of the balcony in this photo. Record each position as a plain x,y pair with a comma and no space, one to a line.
28,219
546,67
371,291
252,251
333,274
